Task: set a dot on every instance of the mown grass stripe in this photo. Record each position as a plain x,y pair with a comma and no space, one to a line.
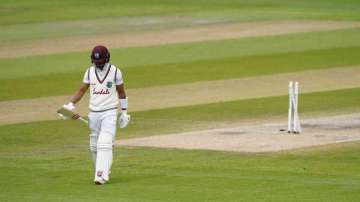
42,11
180,53
240,67
251,108
206,70
179,119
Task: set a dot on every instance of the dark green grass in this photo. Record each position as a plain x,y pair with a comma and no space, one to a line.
49,161
21,11
204,70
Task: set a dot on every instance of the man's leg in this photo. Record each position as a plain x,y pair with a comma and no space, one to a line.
105,146
93,146
104,158
94,125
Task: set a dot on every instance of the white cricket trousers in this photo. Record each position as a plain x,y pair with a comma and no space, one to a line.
103,129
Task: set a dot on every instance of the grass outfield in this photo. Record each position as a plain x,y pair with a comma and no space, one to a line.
43,11
182,53
181,63
50,161
64,174
183,72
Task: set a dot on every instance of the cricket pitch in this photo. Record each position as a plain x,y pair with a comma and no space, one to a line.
259,137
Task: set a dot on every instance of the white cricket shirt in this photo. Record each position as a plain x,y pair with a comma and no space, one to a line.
103,94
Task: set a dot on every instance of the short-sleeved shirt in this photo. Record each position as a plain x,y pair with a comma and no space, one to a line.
103,93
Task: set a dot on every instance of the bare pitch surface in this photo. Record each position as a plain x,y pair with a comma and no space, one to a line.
259,137
183,35
19,111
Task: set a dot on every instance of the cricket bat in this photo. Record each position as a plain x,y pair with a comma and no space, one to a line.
71,114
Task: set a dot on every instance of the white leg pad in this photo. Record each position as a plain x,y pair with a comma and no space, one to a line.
93,146
104,156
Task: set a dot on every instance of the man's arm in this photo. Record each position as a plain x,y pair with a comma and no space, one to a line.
124,118
122,96
79,93
71,105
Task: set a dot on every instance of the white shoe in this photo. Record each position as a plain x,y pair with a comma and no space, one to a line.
100,181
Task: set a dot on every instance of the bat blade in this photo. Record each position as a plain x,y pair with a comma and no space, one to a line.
71,114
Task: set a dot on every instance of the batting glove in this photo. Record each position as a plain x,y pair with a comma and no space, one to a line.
124,119
69,106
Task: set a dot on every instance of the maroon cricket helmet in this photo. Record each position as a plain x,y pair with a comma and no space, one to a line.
100,55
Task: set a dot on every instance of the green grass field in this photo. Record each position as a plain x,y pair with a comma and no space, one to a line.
49,160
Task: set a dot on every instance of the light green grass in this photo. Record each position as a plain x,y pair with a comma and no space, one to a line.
49,161
204,70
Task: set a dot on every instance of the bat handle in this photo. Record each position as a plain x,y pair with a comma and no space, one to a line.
83,120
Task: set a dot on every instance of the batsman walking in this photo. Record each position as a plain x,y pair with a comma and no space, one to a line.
106,94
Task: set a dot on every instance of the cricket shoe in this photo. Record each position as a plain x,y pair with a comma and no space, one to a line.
99,179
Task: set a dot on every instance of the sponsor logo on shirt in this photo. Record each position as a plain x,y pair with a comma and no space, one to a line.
101,92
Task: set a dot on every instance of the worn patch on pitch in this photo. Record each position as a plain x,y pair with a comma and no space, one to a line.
259,137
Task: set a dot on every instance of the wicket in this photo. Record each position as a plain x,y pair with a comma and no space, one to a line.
293,116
